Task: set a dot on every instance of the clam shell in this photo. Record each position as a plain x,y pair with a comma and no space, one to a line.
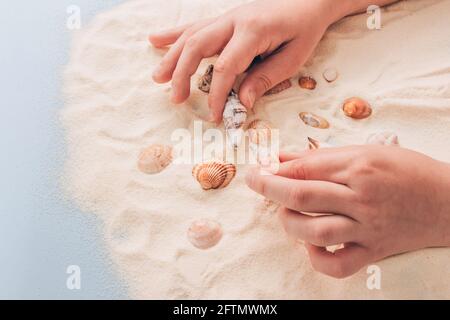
357,108
155,158
204,83
330,74
286,84
204,233
259,131
313,120
383,138
307,83
214,174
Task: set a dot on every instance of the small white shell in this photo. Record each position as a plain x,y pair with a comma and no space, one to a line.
204,233
234,117
330,74
314,120
383,138
155,158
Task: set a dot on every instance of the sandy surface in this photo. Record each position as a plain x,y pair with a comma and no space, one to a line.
114,110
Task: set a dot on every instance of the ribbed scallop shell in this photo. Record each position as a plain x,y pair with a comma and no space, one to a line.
307,83
313,120
204,83
383,138
286,84
155,158
204,233
259,131
214,174
357,108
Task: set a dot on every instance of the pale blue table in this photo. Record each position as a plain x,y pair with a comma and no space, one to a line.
41,233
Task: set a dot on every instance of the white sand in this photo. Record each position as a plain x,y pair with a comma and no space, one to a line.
113,110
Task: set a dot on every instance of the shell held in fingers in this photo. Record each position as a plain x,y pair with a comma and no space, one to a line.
286,84
214,174
357,108
234,117
259,131
313,120
204,233
155,158
384,139
204,83
330,74
307,83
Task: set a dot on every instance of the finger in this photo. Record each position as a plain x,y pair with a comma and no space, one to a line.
234,59
163,73
167,37
322,230
300,195
278,67
205,43
288,156
340,264
326,165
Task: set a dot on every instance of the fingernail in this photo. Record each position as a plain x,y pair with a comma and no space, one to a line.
251,98
157,71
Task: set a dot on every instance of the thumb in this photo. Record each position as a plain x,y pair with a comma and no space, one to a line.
278,67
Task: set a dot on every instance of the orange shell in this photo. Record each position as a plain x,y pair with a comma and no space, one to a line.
214,174
155,158
307,83
313,120
286,84
357,108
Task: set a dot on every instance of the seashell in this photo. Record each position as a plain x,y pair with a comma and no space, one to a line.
314,144
286,84
234,117
155,158
383,138
259,131
330,74
357,108
204,83
214,174
204,233
314,120
307,83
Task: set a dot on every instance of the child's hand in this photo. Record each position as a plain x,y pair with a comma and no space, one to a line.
380,201
291,27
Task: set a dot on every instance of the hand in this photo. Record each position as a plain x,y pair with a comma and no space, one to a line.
376,200
287,30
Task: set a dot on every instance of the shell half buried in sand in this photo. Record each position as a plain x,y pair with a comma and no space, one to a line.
314,120
214,174
259,131
204,233
384,139
286,84
204,83
330,74
357,108
307,83
234,117
314,144
155,158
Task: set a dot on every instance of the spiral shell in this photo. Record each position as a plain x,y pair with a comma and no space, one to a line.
214,174
204,83
307,83
357,108
314,144
234,117
313,120
286,84
330,74
383,138
155,158
204,233
259,131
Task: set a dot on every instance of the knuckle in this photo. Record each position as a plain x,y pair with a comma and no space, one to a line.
297,198
192,43
298,170
264,82
222,65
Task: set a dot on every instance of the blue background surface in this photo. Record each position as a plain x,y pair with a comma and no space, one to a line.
41,232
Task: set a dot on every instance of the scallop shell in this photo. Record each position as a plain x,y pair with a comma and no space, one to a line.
214,174
383,138
314,144
357,108
314,120
286,84
307,83
204,83
155,158
259,131
234,117
204,233
330,74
